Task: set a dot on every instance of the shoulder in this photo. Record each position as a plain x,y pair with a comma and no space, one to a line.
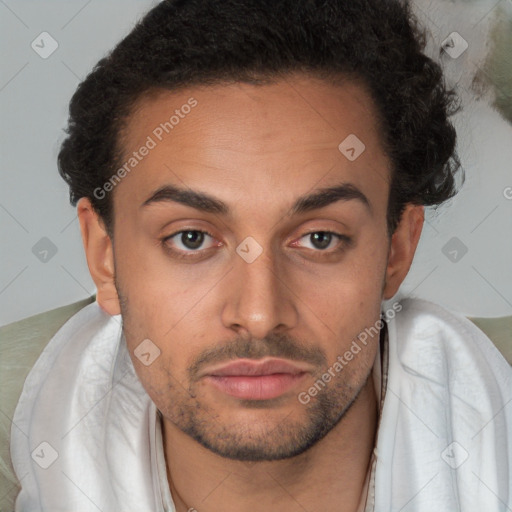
443,352
445,418
422,328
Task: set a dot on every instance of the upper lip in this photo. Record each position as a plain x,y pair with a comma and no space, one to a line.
257,368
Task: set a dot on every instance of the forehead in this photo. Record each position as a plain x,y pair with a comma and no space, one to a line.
323,109
251,139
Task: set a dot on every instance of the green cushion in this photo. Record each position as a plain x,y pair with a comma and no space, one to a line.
499,330
21,343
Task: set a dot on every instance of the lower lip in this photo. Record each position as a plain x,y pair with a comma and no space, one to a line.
262,387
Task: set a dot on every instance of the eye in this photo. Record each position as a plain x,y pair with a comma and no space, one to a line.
322,240
189,240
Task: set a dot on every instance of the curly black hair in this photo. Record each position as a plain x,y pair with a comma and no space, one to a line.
183,43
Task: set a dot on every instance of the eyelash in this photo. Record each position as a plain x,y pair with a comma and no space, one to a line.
344,241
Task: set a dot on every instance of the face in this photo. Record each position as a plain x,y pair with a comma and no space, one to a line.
226,250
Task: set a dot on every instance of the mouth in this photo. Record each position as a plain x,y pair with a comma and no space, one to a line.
257,380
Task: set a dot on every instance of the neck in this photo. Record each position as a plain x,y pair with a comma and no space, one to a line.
330,476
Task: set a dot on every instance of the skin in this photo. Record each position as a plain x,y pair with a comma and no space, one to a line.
257,148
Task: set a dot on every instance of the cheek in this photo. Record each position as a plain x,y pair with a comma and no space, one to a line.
348,296
162,384
156,298
349,306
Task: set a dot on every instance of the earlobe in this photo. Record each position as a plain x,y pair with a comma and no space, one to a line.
100,256
403,247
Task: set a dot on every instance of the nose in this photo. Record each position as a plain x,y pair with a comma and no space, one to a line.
258,300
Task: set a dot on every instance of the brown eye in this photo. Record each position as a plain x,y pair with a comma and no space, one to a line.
190,240
323,240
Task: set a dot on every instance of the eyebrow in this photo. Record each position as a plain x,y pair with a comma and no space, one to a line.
206,203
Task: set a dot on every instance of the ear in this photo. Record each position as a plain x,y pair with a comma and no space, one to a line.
100,256
403,246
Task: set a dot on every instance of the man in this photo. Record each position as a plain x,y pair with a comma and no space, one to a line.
251,179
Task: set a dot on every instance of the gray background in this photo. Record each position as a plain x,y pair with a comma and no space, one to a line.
465,253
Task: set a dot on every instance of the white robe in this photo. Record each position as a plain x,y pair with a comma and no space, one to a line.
84,433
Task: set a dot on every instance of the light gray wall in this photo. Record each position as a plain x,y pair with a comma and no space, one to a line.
479,220
34,97
35,215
